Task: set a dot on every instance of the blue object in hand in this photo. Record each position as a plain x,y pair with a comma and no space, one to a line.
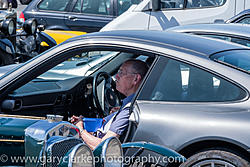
92,124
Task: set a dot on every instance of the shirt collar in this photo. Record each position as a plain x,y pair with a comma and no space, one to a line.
127,100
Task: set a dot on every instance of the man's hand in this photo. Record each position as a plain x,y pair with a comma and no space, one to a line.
77,121
114,109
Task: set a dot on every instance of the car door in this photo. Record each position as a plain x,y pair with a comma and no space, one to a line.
185,103
180,12
51,13
89,15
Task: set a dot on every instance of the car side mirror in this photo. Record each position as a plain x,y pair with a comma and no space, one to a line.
155,5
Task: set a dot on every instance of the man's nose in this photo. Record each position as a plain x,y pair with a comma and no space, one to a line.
117,77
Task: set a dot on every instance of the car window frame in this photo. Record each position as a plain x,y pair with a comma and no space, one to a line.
242,18
185,3
146,91
67,8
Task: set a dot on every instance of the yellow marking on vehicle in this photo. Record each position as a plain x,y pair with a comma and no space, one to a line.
60,36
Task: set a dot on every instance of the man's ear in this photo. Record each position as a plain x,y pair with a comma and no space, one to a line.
138,78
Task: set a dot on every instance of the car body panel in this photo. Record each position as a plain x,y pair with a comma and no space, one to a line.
201,122
163,18
153,147
15,126
60,35
236,33
233,29
69,19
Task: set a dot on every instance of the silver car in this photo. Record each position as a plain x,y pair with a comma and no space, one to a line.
194,98
236,33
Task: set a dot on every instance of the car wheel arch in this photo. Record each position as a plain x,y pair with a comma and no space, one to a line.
223,144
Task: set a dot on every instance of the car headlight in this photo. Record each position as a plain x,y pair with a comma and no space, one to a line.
81,155
112,152
30,26
8,26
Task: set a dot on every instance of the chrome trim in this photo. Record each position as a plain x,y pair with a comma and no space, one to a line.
73,152
105,146
22,116
10,140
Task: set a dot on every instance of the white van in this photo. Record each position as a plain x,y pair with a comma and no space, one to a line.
162,14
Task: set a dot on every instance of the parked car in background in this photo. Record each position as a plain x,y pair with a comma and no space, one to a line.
236,33
163,14
243,17
78,15
185,93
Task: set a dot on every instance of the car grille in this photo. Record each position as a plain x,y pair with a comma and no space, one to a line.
56,151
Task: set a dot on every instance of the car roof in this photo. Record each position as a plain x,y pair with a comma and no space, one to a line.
242,13
178,41
245,11
232,29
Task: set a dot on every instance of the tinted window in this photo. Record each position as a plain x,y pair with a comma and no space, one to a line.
231,39
123,5
77,7
180,82
245,20
204,3
100,7
237,58
172,3
53,5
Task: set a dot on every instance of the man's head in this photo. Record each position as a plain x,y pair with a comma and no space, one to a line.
130,75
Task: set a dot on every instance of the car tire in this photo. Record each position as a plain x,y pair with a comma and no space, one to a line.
5,58
215,158
25,2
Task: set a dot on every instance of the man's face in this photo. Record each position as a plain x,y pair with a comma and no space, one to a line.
124,79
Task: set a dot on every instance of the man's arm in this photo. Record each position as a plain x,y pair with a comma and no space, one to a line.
88,138
93,141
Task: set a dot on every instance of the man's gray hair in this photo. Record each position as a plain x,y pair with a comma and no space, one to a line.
139,66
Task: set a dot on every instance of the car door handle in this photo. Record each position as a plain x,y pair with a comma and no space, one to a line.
73,18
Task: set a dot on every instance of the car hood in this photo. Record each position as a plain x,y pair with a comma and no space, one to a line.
14,127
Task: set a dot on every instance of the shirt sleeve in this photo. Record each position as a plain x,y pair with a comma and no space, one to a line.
120,122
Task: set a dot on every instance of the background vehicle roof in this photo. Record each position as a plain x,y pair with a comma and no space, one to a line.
178,41
244,12
233,29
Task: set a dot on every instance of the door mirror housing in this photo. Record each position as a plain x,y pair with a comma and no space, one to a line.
155,5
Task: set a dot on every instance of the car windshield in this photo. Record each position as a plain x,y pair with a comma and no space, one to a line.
79,65
239,59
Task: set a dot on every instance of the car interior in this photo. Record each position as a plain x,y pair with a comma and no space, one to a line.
69,95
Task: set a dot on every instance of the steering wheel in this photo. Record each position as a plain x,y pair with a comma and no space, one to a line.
105,94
